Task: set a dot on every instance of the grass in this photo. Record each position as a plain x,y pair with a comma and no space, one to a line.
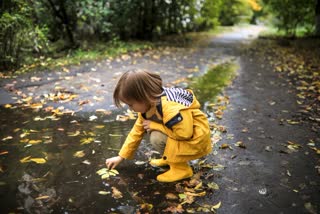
208,86
96,52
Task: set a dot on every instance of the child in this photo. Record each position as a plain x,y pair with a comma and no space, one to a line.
172,116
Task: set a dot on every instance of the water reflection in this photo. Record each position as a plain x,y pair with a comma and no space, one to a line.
66,182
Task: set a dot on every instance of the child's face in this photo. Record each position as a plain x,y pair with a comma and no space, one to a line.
137,106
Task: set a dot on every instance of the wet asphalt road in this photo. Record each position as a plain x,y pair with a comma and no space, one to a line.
264,177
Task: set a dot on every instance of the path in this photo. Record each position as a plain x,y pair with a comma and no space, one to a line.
264,177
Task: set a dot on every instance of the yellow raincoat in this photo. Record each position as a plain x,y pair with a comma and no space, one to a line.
181,119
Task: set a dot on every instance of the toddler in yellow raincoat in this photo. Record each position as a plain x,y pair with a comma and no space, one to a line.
178,129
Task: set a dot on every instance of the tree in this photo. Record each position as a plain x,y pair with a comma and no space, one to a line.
293,14
317,17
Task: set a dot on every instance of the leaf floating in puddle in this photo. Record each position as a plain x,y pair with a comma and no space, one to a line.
140,162
263,191
73,134
104,192
38,160
86,140
86,162
34,142
3,152
79,154
25,160
7,138
42,197
92,118
115,135
106,173
116,194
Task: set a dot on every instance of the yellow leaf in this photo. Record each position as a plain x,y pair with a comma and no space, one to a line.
73,134
102,171
28,99
25,160
217,206
115,135
225,146
79,154
38,160
113,172
105,176
104,192
36,105
99,126
86,140
34,142
42,197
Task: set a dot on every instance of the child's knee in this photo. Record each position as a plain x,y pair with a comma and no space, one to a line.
158,140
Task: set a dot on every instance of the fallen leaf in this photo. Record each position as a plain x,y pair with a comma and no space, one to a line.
240,144
104,192
171,196
25,160
34,142
42,197
73,134
217,206
38,160
79,154
3,152
116,194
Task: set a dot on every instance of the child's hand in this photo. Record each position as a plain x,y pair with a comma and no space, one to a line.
113,162
146,125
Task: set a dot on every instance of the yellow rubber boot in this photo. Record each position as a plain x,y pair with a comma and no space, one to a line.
177,171
158,162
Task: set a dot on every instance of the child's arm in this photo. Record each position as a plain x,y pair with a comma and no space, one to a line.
130,145
183,130
133,139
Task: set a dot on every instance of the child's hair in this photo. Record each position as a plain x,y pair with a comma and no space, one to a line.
138,85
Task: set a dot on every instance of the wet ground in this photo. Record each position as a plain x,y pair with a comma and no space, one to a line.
58,137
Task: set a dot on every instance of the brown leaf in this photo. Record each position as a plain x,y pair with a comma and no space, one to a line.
116,194
171,196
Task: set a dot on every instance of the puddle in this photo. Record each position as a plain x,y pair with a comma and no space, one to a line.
49,164
64,183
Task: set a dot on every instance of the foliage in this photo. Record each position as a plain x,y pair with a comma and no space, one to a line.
290,15
19,35
34,29
209,14
235,11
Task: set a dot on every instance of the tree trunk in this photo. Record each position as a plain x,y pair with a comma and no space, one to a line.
61,14
318,18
